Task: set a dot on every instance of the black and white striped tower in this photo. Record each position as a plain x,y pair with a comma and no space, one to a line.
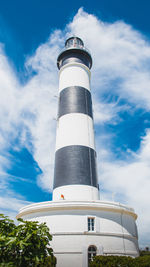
80,223
75,173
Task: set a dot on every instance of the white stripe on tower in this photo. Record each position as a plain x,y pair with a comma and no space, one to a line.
75,175
74,74
75,129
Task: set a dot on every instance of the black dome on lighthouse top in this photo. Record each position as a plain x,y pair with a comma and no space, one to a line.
74,52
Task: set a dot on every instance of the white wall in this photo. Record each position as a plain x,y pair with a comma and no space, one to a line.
76,192
114,233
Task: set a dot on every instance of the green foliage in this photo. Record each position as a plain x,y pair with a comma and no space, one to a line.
112,261
120,261
144,252
25,245
143,261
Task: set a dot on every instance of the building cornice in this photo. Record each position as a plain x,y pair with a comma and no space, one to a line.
76,205
115,234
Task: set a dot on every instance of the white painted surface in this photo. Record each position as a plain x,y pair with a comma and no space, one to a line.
126,220
75,129
111,220
73,258
74,75
76,192
67,220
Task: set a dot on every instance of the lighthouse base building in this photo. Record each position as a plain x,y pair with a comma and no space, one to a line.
82,226
83,229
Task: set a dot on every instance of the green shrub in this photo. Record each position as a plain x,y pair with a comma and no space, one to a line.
120,261
25,245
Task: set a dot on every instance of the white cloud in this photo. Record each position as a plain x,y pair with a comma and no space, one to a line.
130,181
9,92
120,54
32,107
10,205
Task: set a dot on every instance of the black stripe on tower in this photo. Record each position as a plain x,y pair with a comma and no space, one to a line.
75,165
75,99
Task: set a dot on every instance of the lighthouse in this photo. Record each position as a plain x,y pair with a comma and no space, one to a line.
81,224
75,173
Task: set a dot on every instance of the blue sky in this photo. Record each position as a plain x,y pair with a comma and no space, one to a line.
32,34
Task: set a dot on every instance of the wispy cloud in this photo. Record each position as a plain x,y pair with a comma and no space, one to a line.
130,182
10,205
121,57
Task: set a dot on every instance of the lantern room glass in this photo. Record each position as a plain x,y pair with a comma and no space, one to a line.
75,42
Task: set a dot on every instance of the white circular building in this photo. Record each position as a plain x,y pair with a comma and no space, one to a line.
82,225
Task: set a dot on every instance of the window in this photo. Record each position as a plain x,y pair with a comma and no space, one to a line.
91,224
91,253
74,42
